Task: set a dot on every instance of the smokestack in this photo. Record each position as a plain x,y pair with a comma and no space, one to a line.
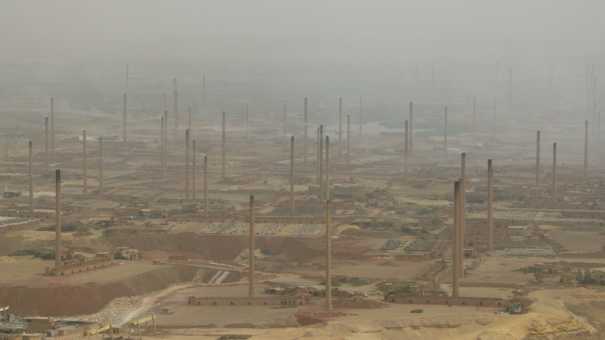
165,151
175,104
411,127
187,143
194,170
456,240
101,164
328,259
189,118
360,118
206,186
285,119
30,177
327,169
339,126
84,163
52,126
321,165
490,205
306,125
474,113
162,147
461,205
125,117
537,157
291,175
445,122
58,225
223,142
247,117
406,146
251,247
586,148
554,170
46,145
349,141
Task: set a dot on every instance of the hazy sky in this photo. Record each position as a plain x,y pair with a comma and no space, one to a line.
281,49
37,27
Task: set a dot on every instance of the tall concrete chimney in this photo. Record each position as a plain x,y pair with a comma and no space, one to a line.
206,186
247,121
554,170
162,148
321,163
194,170
223,145
445,122
586,148
58,224
328,258
474,113
306,126
175,104
165,135
456,240
537,157
285,120
327,169
406,146
189,117
251,247
360,118
101,178
490,205
339,126
84,163
52,126
349,141
46,145
187,145
462,211
30,177
125,117
411,127
291,175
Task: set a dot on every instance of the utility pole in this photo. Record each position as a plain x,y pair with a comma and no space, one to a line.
175,104
554,171
349,141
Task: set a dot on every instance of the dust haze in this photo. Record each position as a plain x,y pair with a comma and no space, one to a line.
275,169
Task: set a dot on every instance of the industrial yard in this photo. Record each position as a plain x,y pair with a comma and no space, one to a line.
204,175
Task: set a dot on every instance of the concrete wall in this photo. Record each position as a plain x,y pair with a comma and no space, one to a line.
80,267
245,301
448,301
